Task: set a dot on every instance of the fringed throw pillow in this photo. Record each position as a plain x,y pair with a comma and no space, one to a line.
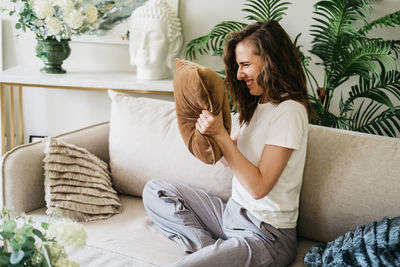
375,244
78,183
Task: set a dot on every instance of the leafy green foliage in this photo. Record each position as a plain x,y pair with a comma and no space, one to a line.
345,51
390,20
21,244
215,40
265,10
259,10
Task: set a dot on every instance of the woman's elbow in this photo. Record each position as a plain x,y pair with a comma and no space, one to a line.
261,189
259,194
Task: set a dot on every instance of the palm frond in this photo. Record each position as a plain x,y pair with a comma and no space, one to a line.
345,106
394,45
305,60
259,10
390,20
214,40
305,63
372,119
378,90
326,118
197,46
362,57
335,18
264,10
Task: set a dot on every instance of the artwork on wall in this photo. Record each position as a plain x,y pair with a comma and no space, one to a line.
35,138
113,21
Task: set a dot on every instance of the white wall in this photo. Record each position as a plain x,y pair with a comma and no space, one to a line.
50,111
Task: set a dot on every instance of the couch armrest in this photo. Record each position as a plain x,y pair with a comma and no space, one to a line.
22,175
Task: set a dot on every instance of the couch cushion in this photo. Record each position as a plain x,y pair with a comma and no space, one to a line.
350,179
145,143
126,239
131,239
198,88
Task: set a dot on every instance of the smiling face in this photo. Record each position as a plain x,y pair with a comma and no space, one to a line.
249,67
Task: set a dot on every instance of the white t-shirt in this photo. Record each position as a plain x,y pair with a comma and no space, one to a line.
285,125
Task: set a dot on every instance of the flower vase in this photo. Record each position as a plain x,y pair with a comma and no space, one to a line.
53,53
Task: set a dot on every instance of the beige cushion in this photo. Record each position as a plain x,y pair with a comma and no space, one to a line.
198,88
108,243
145,143
78,183
126,239
350,179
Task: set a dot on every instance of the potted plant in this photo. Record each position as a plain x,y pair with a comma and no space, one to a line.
23,243
342,44
53,23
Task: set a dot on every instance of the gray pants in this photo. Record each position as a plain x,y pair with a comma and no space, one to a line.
215,233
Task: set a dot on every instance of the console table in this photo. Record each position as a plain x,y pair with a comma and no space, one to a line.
20,76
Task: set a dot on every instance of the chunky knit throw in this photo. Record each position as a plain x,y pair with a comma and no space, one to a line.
375,244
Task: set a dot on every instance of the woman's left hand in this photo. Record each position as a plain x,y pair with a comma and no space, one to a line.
209,124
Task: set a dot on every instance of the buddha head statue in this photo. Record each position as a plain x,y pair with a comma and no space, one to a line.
155,40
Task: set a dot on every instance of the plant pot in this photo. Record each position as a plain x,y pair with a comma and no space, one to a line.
53,53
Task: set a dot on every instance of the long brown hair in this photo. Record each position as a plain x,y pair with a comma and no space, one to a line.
282,77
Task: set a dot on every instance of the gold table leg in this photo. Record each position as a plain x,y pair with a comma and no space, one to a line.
3,120
8,112
20,116
12,116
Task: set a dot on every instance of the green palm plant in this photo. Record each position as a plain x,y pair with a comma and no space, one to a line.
259,10
341,42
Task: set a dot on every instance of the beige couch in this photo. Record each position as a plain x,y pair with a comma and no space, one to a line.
349,179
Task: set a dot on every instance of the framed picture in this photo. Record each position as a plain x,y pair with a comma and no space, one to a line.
35,138
113,22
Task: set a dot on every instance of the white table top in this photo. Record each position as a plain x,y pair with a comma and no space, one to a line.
102,80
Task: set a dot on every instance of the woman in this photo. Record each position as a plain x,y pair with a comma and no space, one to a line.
257,227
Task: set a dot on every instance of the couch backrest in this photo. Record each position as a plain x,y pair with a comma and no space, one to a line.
145,143
21,170
350,179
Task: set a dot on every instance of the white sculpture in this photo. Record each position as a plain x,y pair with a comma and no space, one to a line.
155,40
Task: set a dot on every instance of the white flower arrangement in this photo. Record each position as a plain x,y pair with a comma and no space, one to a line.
23,244
55,19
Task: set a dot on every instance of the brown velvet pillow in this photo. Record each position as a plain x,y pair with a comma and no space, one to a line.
197,88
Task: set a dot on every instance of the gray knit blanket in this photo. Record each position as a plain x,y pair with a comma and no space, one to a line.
376,244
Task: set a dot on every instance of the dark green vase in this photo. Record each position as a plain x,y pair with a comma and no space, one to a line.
53,53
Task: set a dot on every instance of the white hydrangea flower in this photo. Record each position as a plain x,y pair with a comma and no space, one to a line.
64,262
43,8
75,19
67,7
54,2
37,256
91,13
57,251
53,25
68,233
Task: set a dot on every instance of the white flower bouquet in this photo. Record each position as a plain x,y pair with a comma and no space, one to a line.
55,19
22,244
